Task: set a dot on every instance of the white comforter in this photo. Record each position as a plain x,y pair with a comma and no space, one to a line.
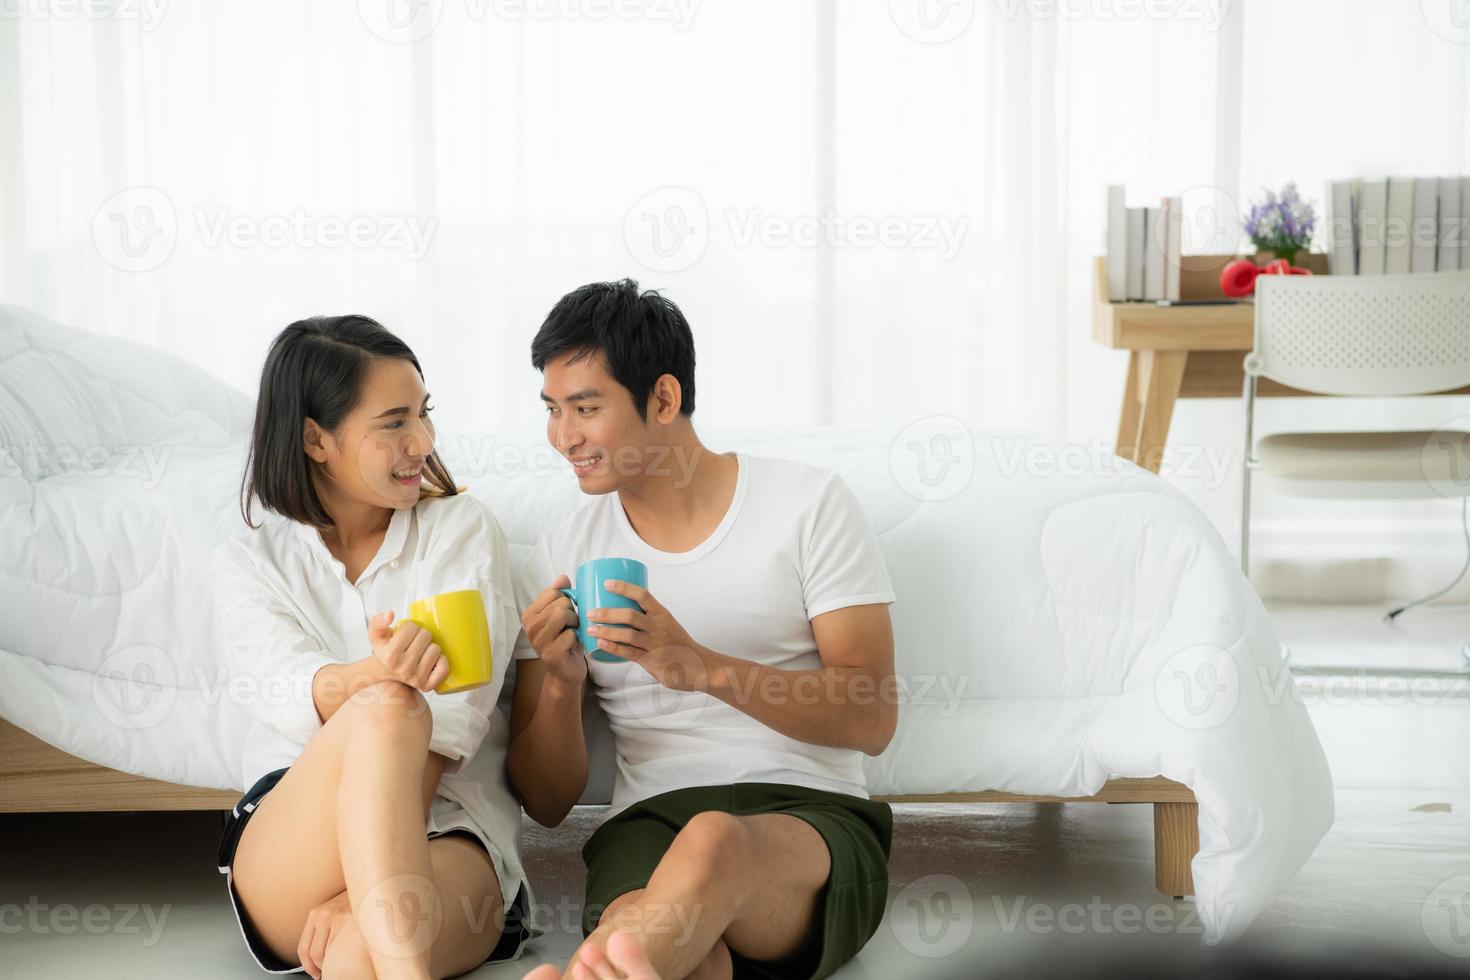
1061,619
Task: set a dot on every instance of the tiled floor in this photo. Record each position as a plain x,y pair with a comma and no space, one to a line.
136,895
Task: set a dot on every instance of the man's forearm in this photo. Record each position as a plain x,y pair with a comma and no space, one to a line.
547,760
844,707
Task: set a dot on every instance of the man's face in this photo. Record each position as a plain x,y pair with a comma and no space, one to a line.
590,419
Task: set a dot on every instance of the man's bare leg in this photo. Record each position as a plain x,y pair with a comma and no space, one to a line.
750,883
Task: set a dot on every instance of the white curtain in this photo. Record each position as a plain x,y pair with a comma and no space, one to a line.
872,211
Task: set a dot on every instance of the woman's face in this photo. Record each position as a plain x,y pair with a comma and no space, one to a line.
377,454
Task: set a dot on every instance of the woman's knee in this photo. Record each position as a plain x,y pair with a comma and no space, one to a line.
347,955
389,706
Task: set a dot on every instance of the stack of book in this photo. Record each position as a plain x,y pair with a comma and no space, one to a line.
1378,226
1143,249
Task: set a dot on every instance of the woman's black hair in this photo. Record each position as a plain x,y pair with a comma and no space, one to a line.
315,369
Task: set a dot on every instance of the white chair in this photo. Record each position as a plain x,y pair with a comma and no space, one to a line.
1367,336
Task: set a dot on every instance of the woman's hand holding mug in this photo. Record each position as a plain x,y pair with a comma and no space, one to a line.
407,654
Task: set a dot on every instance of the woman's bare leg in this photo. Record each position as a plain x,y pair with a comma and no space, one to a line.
469,929
360,789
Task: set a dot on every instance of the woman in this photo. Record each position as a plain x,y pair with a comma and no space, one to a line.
379,834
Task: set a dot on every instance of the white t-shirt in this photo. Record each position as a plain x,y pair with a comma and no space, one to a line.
793,544
287,610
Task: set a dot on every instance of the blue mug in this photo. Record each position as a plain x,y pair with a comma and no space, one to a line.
590,592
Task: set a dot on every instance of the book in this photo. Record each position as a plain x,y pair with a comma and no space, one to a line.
1465,223
1397,224
1174,247
1372,211
1117,244
1155,223
1342,258
1451,223
1424,229
1135,253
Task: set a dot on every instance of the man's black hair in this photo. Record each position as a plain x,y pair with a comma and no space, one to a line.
641,335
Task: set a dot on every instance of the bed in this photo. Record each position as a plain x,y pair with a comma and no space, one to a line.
1104,647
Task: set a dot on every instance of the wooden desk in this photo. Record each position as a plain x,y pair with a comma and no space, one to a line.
1179,352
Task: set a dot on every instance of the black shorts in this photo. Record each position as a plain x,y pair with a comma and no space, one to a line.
512,937
624,851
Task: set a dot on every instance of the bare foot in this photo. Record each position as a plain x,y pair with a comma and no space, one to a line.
624,958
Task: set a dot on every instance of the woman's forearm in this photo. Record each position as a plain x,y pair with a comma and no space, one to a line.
333,684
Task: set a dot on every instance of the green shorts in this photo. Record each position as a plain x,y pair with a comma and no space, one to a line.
622,854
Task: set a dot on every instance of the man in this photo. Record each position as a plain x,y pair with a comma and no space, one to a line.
758,667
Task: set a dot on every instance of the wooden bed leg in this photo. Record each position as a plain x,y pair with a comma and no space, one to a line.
1176,841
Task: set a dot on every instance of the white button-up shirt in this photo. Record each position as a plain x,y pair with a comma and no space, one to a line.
287,609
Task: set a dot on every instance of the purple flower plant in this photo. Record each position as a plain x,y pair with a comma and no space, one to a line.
1282,225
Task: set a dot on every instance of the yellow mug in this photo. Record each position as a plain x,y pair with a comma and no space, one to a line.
456,621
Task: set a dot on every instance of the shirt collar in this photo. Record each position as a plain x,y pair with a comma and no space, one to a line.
394,541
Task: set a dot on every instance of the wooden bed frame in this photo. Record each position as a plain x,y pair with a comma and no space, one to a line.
38,777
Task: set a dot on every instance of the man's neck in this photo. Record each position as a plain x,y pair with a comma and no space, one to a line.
683,497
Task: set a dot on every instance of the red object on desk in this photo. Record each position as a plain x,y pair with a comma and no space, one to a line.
1238,278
